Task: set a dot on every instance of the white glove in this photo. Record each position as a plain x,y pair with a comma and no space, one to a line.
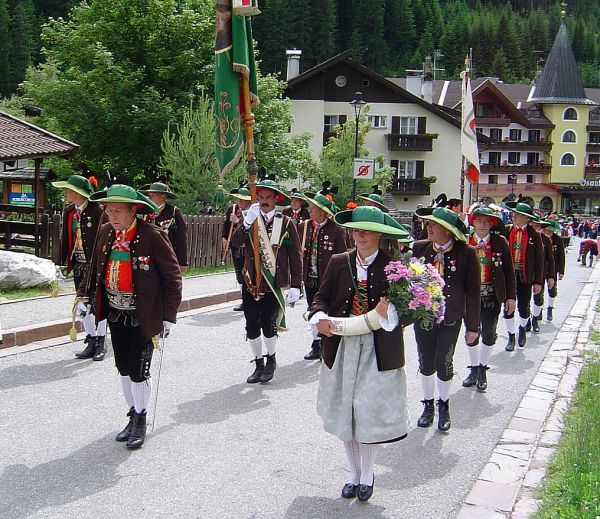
251,214
292,296
166,329
81,310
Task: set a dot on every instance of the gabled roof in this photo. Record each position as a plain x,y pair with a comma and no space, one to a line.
22,140
346,58
560,82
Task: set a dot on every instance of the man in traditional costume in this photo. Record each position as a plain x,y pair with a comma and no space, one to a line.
458,264
320,239
234,217
298,210
169,218
554,232
497,289
528,259
362,386
281,267
548,278
134,280
80,224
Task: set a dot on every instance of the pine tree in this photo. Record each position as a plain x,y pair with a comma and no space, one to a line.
300,33
499,66
400,35
324,30
24,41
5,83
271,31
369,24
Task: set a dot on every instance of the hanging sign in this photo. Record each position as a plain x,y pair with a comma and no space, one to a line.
364,169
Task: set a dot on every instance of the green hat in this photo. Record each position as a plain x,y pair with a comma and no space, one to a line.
241,193
158,187
322,202
486,211
125,194
369,218
409,238
524,209
372,197
76,183
282,198
294,193
553,225
446,218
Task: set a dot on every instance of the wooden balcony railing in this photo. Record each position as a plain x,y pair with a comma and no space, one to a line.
519,145
515,168
410,142
410,186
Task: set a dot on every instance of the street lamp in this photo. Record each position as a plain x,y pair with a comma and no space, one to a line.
357,103
513,181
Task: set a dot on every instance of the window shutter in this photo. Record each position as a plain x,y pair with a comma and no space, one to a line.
420,171
422,125
395,125
343,119
394,164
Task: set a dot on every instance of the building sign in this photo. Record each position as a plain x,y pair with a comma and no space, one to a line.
589,183
21,195
364,169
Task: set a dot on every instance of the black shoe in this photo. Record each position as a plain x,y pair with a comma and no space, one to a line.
549,314
239,308
522,337
534,325
258,371
528,325
349,491
123,436
472,377
510,346
365,491
269,370
444,415
315,351
426,419
88,351
100,350
138,430
482,378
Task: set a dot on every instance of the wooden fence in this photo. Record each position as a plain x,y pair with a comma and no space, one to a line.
204,241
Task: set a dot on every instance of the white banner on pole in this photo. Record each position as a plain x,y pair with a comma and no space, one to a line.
364,169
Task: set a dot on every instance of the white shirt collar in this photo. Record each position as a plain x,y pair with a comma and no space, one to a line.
268,216
479,240
445,246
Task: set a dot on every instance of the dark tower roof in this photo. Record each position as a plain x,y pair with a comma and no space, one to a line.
560,82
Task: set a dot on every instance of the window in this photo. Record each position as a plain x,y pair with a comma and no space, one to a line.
496,134
570,114
534,111
594,138
531,179
378,121
515,135
329,122
594,159
569,136
492,179
534,136
514,157
568,159
407,168
408,125
533,159
495,157
482,110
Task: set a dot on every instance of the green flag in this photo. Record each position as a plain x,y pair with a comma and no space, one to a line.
234,55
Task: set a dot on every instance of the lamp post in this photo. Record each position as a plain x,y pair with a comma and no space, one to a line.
513,181
357,103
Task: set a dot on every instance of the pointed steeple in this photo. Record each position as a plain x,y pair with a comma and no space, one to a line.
560,82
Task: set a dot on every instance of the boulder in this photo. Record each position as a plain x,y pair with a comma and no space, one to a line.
18,270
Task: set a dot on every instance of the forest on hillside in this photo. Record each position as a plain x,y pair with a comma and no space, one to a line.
509,39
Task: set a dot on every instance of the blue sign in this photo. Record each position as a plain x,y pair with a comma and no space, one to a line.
22,199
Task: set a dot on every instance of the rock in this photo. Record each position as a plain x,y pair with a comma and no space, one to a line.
18,270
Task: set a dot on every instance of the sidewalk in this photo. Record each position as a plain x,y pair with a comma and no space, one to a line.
42,318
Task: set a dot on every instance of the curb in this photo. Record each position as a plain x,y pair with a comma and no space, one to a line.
40,332
507,485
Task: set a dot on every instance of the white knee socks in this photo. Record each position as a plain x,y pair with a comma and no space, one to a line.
428,386
524,321
270,343
141,395
473,355
101,328
367,462
551,302
353,455
89,324
126,385
256,345
537,311
510,325
443,387
485,352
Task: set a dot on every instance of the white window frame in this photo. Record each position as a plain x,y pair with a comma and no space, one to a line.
562,138
407,122
568,165
331,126
407,164
378,121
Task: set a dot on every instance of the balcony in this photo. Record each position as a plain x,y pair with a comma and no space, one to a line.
520,146
410,186
592,171
494,122
495,169
410,142
593,147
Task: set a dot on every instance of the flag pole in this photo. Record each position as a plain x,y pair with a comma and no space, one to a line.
248,118
462,180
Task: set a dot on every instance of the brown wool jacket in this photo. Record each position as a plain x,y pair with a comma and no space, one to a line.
335,299
463,281
91,218
288,271
503,271
549,264
558,247
171,219
332,240
534,255
157,291
303,216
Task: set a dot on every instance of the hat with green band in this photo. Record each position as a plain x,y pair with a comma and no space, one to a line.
322,202
369,218
241,193
375,198
158,187
486,211
448,219
76,183
553,225
523,209
120,193
294,193
282,197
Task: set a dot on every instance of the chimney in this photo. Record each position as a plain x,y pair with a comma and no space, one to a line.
293,63
427,82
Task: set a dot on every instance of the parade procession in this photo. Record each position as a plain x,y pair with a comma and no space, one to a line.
241,329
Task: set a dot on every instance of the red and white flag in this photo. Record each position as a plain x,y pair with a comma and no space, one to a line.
245,7
468,136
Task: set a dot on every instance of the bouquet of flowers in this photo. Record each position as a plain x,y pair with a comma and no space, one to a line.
416,290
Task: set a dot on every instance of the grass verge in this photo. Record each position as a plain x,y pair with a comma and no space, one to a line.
197,271
572,487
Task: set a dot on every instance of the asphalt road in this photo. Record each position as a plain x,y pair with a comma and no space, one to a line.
224,449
